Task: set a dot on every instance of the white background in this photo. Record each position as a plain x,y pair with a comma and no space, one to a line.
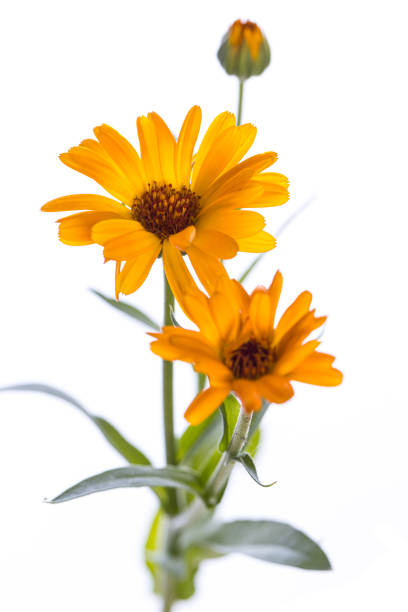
333,104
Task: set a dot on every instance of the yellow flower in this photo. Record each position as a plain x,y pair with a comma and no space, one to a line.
170,201
244,50
241,350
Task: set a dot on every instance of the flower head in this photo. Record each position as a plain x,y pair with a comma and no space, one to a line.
241,349
169,201
244,50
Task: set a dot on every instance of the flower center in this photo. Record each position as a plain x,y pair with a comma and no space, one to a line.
252,359
163,210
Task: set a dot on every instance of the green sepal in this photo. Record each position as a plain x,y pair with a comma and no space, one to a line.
131,311
133,476
246,460
269,541
112,435
239,61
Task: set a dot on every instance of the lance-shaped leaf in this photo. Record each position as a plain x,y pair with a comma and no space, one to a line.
127,450
265,540
246,460
131,311
133,476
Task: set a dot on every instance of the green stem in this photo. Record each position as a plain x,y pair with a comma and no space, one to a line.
168,401
201,381
240,98
224,468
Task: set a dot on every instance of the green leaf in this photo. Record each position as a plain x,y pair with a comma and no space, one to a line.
133,476
265,540
112,435
173,317
249,465
131,311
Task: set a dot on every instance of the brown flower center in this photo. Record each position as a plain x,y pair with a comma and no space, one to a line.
251,360
164,211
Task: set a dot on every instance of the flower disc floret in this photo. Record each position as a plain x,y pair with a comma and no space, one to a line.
251,360
164,210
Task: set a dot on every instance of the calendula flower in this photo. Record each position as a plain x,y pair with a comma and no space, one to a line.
170,201
244,50
241,349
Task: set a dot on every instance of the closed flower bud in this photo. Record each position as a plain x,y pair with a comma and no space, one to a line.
244,50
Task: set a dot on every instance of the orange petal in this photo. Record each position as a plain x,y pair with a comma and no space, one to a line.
275,389
317,370
292,358
216,243
149,149
76,230
124,155
205,403
185,145
178,276
292,315
183,239
167,149
86,201
275,292
219,124
234,223
135,272
258,243
261,313
113,228
208,268
249,394
130,245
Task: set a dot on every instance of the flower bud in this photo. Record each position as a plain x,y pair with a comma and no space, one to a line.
244,50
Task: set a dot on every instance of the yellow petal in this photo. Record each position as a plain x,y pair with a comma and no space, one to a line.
149,149
241,198
275,389
274,292
292,315
197,305
316,369
130,245
208,268
135,272
97,167
216,243
235,223
220,123
167,149
249,394
185,145
225,314
258,243
113,228
205,404
275,189
124,155
76,230
86,201
292,358
183,239
178,276
261,313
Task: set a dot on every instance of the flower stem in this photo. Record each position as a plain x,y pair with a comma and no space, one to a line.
240,98
168,401
224,468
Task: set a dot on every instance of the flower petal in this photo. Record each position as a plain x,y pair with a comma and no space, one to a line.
113,228
183,239
205,403
292,315
130,245
149,149
76,230
249,394
234,223
215,243
275,389
135,271
220,123
261,313
317,370
207,267
185,145
167,149
178,276
292,358
258,243
86,201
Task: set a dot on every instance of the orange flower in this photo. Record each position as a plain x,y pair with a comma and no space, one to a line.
241,349
169,201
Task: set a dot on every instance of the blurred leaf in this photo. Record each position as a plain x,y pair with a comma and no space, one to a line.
249,465
133,476
266,540
133,312
127,450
